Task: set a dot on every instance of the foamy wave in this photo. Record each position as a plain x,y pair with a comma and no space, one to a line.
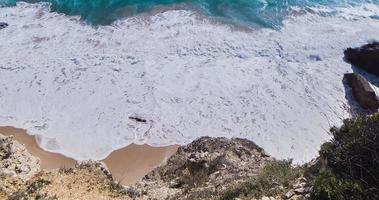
76,86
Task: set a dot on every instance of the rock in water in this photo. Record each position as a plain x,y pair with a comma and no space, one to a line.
365,57
362,91
3,25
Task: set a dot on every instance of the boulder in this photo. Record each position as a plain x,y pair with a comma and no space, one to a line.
362,91
3,25
365,57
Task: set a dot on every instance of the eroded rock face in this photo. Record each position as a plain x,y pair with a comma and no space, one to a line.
365,57
362,91
300,190
207,165
3,25
15,160
87,180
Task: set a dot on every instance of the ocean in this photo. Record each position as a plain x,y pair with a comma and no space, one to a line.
258,13
77,73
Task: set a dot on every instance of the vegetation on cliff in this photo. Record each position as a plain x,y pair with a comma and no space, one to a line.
351,160
347,168
274,180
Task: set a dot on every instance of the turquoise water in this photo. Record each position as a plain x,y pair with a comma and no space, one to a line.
267,13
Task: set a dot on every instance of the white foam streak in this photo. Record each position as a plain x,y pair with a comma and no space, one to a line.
76,86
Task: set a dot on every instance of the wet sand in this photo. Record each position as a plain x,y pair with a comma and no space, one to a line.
127,165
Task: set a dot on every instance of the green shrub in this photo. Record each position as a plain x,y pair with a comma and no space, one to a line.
352,161
328,186
327,150
274,179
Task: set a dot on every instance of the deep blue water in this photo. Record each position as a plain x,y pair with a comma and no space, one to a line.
267,13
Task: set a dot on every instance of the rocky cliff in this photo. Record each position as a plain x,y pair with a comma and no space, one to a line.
202,169
208,168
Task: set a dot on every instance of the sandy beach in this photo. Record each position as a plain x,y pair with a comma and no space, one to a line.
127,165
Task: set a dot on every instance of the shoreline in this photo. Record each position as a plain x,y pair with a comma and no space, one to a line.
127,165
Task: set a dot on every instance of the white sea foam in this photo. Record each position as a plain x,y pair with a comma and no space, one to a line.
76,86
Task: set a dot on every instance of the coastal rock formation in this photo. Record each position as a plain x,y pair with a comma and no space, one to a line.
87,180
22,178
365,57
16,166
202,168
3,25
362,91
15,160
207,168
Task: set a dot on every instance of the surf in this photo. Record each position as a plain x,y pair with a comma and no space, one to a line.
79,87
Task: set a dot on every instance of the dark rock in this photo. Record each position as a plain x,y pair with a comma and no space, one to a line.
362,91
137,119
3,25
365,57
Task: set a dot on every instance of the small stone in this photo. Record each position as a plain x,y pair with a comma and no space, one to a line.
299,185
289,194
299,190
297,197
7,172
308,189
175,183
302,179
268,198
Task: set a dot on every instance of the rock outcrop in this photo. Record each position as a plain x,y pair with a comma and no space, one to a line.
87,180
205,169
15,160
3,25
362,91
365,57
202,168
22,178
300,190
